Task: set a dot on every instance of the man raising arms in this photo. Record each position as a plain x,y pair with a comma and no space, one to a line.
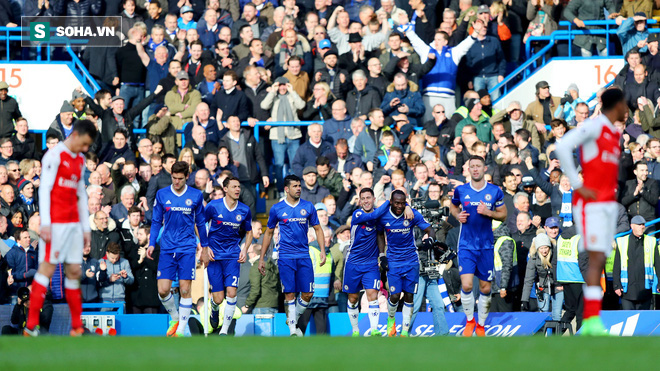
481,203
294,217
64,223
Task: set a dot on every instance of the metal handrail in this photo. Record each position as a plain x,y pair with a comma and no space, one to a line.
654,221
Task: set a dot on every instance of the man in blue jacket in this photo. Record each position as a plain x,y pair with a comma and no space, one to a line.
403,97
22,261
487,63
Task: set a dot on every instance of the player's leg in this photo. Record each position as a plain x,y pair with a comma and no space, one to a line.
232,271
352,286
167,270
410,286
485,266
395,282
304,284
186,264
371,282
214,271
467,267
73,256
288,280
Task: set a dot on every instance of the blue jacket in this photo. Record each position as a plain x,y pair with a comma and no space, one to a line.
486,58
207,96
410,97
213,134
57,282
306,155
629,36
334,129
23,265
208,37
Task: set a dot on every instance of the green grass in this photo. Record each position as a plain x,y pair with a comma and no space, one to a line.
324,353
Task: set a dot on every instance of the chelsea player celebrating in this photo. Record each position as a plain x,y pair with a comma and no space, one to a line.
226,217
401,261
179,209
294,216
481,202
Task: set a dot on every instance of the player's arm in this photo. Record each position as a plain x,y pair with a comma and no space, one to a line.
382,257
360,217
498,214
156,225
247,227
574,138
320,238
200,221
268,235
430,232
48,175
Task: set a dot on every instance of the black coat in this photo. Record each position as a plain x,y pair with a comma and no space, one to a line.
25,149
252,153
100,241
643,203
255,97
156,183
414,73
232,104
9,112
145,293
110,123
359,103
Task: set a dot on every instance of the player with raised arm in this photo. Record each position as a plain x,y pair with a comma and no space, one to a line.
226,217
594,200
177,210
361,269
475,205
401,261
65,226
294,216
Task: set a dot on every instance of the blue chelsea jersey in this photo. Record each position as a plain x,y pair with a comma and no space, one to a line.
364,245
178,214
294,222
477,233
401,249
224,227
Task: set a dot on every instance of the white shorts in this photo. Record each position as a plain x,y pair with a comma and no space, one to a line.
66,244
596,223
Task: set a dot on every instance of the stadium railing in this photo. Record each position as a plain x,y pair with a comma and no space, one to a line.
649,223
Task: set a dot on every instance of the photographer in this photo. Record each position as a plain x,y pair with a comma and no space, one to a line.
541,277
506,279
568,103
435,260
20,311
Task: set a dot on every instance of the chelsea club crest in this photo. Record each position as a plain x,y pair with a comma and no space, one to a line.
188,202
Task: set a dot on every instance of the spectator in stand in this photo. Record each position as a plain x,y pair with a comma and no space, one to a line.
119,148
155,15
403,97
487,63
361,144
634,261
541,274
245,151
255,57
114,276
476,119
62,126
311,190
200,146
523,235
328,176
640,86
339,126
102,234
541,111
230,101
578,11
23,143
632,32
310,150
89,284
297,77
185,21
291,45
145,297
22,263
9,111
363,97
631,8
319,105
640,195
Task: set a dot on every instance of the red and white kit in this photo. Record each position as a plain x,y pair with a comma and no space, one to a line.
63,206
599,153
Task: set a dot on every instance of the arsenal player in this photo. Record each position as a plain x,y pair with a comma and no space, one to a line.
64,223
594,200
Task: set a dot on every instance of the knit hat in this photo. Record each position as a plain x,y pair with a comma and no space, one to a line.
482,93
4,85
573,86
66,107
542,240
22,183
354,37
77,94
470,103
332,51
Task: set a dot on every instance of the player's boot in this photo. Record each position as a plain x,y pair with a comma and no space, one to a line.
77,332
215,319
356,333
31,333
469,327
171,331
391,327
480,330
404,334
593,327
376,334
299,332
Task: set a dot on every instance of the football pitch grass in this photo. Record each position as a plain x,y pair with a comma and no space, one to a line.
325,353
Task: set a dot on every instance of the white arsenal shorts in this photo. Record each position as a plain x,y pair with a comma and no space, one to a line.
66,244
596,223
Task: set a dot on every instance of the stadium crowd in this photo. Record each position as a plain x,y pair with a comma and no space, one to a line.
401,93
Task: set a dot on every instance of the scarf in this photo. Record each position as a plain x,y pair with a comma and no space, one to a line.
286,52
284,113
152,45
27,201
566,211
